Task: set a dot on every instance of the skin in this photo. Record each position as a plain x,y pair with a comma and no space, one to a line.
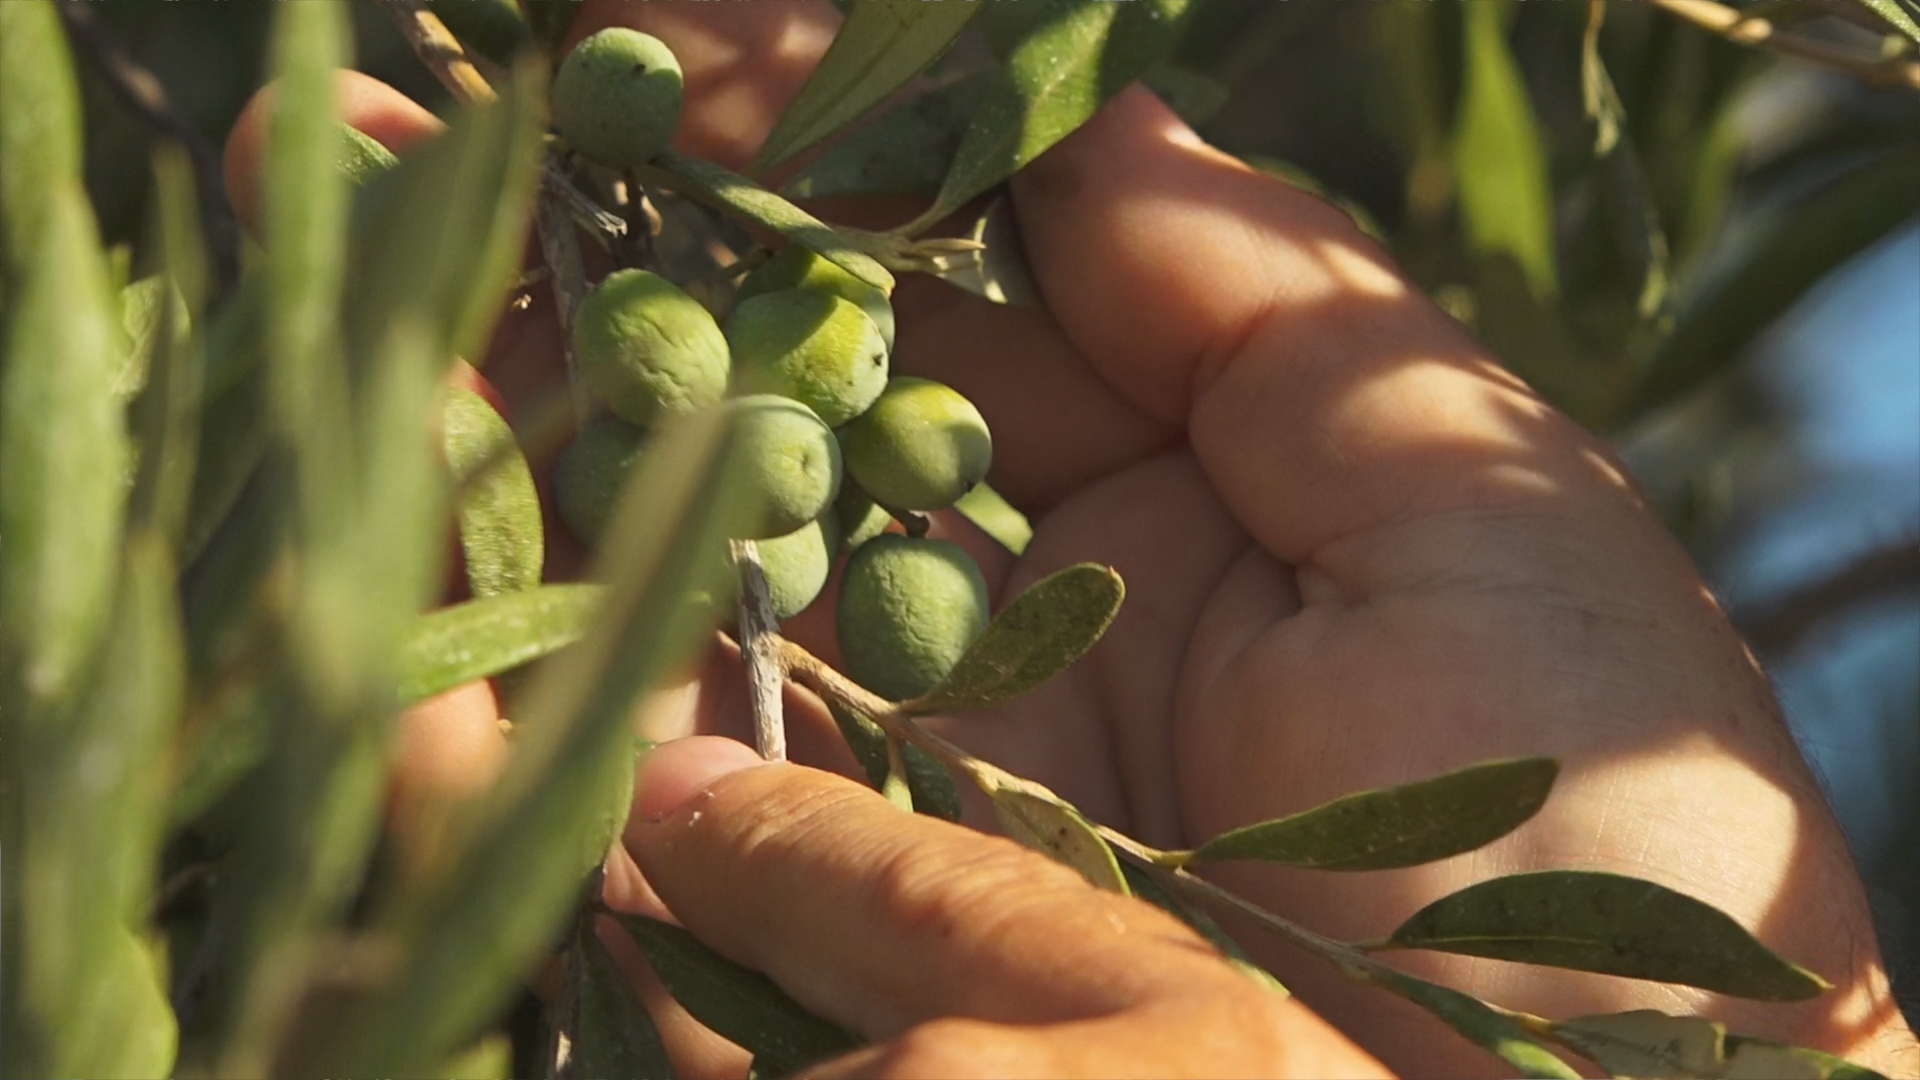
1358,553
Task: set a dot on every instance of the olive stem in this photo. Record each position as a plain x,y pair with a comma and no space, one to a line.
439,50
1743,29
561,250
760,649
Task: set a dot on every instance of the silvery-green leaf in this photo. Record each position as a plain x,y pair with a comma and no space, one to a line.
1056,829
482,638
1044,629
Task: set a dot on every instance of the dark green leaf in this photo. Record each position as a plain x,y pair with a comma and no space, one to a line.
929,782
40,142
1904,17
882,45
1142,884
742,197
1615,925
738,1003
1647,1043
1499,158
501,533
63,456
1073,57
472,931
610,1034
550,19
906,150
1045,628
1757,1059
482,638
1048,825
1481,1025
1408,825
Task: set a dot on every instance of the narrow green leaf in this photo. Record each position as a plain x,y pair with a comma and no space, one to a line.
1499,158
882,45
610,1034
906,150
738,1003
1902,17
1074,57
996,517
166,415
128,1028
361,157
1408,825
501,532
39,134
1047,627
482,638
1757,1059
1481,1025
1647,1043
63,454
489,1059
471,931
749,201
1142,884
1614,925
928,781
1055,828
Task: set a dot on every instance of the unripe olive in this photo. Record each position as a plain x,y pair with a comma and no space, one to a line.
920,447
861,519
909,607
797,267
590,473
796,565
617,96
648,349
811,346
786,462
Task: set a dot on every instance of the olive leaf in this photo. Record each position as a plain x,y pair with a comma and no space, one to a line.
1070,59
738,1003
165,415
1479,1023
1044,822
494,29
906,150
501,533
1902,15
998,271
1652,1044
1615,925
882,45
482,638
1499,158
1047,627
40,146
610,1034
549,20
1408,825
738,195
928,781
490,1058
995,516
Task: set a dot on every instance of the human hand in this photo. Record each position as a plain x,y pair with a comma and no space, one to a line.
1357,552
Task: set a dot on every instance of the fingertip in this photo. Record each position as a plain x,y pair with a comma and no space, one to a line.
675,772
384,114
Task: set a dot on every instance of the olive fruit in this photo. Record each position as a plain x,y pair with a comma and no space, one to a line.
909,608
648,349
590,473
861,519
796,565
786,462
616,97
797,267
920,447
811,346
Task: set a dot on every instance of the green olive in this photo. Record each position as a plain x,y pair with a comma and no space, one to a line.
909,608
617,97
797,565
920,447
797,267
648,349
861,519
811,346
590,473
786,462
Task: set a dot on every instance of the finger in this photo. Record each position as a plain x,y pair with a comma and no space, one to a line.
742,63
883,920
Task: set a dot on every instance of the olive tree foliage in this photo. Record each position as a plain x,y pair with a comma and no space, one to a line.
223,534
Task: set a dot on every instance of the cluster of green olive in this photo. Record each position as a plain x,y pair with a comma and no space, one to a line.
828,448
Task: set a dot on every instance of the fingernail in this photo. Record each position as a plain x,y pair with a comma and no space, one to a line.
677,771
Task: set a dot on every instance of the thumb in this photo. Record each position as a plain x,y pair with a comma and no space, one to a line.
885,921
